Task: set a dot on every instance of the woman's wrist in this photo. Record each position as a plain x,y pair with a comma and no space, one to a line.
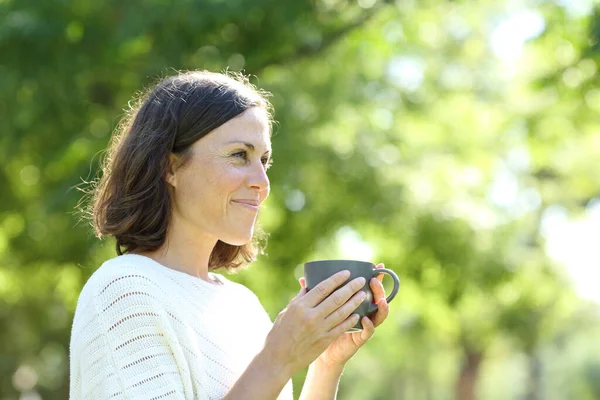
278,368
322,380
263,379
322,364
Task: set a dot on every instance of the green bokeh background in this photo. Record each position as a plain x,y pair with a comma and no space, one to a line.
427,135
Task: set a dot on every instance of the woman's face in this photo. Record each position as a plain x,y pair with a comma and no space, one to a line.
218,192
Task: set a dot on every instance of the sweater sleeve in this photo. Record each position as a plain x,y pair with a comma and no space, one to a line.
125,343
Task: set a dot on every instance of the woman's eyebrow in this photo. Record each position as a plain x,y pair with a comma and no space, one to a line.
248,145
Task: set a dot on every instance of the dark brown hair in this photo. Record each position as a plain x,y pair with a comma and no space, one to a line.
131,200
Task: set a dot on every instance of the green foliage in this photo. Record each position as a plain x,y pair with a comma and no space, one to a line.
399,135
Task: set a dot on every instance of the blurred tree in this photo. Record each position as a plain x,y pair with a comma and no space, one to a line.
407,134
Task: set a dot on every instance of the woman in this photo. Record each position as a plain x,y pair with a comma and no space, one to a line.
181,188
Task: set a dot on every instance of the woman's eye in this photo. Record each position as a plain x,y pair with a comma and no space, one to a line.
241,154
267,162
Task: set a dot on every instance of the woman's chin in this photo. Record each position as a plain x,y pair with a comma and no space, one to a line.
238,240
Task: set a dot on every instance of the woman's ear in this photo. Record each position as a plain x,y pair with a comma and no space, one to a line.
170,176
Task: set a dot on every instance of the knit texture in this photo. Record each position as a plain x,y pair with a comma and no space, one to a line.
145,331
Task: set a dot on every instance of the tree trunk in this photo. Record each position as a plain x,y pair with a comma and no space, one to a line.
535,377
465,387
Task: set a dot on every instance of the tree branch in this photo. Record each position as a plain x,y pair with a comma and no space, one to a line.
329,40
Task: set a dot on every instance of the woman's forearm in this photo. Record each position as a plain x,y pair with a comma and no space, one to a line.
263,379
321,381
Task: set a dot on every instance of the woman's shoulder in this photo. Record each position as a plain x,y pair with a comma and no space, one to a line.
137,275
119,289
120,275
122,267
132,271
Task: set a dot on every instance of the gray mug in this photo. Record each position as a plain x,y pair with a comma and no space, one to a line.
317,271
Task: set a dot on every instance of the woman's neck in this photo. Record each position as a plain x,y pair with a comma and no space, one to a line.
185,252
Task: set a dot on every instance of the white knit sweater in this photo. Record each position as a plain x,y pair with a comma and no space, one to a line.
145,331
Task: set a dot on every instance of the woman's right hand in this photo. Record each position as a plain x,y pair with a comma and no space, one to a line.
313,320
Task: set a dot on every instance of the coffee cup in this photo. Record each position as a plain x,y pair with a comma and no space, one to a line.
317,271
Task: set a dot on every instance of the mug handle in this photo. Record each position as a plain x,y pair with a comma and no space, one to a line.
376,272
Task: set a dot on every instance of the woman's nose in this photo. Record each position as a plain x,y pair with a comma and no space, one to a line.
258,178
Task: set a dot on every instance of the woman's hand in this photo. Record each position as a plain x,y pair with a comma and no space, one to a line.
313,321
346,345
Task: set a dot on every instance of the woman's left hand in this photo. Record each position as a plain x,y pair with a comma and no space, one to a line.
345,346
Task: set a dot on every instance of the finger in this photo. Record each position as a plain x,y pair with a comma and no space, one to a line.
340,297
302,282
378,290
320,292
368,330
302,291
380,276
383,310
344,326
341,313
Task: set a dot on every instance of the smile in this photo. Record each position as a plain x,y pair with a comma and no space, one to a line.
251,205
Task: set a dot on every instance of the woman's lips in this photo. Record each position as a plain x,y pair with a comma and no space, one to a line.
249,204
